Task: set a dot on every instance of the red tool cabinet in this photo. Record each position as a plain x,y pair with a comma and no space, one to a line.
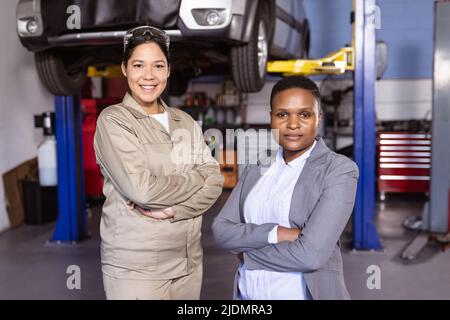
93,180
404,161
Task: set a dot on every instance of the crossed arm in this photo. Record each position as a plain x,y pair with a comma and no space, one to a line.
211,189
122,157
314,244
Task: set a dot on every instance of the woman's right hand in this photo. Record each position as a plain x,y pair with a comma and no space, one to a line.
157,214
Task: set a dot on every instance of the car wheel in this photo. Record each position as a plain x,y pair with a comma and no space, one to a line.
249,62
55,77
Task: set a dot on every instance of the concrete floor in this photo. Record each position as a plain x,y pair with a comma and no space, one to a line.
32,268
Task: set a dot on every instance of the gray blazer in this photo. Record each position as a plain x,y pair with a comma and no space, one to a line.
321,205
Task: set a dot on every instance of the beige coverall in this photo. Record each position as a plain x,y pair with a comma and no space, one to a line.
144,258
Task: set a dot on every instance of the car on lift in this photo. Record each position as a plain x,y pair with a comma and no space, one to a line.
208,37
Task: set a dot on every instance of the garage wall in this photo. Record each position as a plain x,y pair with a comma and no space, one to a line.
22,96
407,26
330,25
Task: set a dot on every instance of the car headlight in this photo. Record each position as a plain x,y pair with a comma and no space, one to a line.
210,16
28,26
32,26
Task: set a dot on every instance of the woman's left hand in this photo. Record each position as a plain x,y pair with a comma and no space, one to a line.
163,214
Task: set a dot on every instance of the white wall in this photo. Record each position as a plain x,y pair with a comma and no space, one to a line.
404,99
21,96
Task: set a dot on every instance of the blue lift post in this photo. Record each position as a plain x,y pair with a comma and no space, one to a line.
71,223
365,236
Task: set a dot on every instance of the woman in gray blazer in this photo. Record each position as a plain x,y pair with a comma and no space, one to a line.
286,215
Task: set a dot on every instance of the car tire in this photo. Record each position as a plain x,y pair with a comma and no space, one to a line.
249,61
55,77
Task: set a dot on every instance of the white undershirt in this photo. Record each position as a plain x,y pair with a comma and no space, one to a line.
162,118
269,201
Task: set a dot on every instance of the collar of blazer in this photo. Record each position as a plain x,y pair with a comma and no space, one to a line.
315,162
137,111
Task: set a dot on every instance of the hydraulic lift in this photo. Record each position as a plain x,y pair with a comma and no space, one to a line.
359,59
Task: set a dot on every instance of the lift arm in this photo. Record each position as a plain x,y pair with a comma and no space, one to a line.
337,62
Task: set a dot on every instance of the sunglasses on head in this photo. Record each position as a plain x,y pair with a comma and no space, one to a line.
145,32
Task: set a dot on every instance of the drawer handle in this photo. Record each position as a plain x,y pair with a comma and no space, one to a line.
393,177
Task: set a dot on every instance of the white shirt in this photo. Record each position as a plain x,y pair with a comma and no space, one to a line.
269,202
162,118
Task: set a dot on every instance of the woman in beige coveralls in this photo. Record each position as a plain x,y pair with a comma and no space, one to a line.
159,179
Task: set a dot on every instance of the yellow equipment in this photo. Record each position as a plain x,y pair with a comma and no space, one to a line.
337,62
112,71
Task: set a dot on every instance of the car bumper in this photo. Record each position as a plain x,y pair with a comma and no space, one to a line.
116,37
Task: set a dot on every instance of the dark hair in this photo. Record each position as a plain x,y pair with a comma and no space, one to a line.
137,41
293,82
